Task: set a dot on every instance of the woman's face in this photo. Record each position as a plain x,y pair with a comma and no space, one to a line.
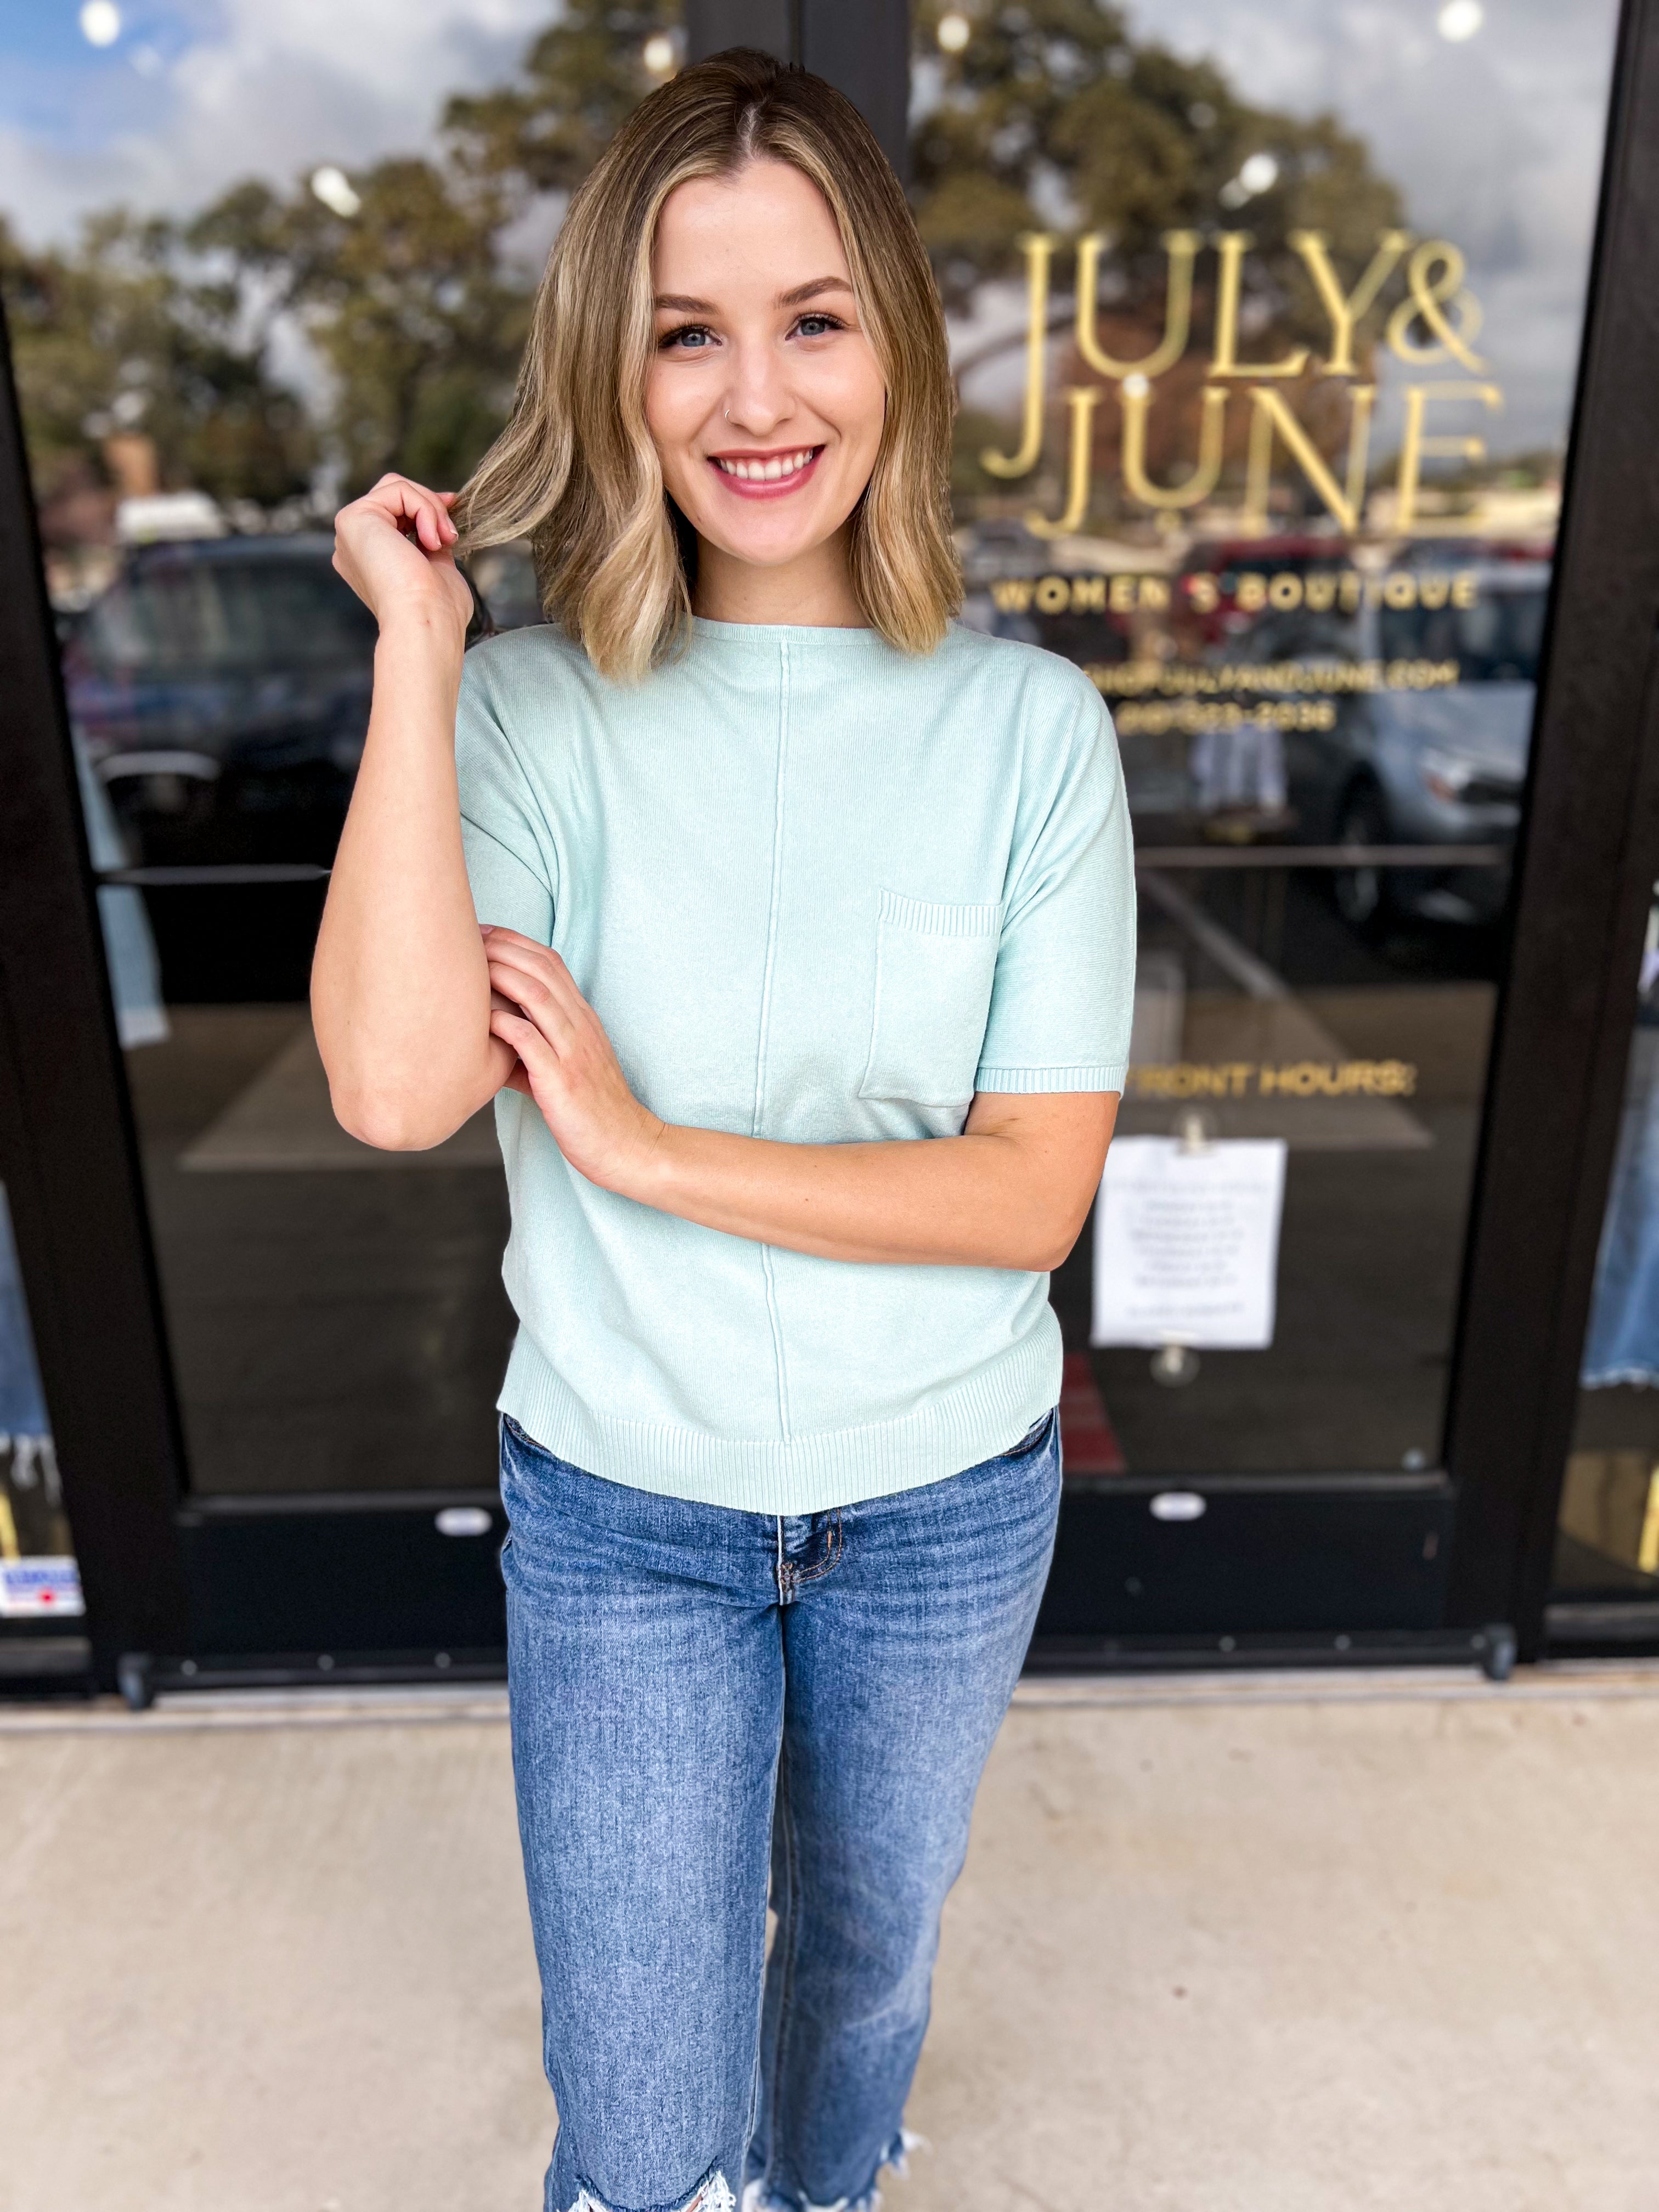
763,397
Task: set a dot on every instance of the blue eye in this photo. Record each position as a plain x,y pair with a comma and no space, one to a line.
694,337
817,326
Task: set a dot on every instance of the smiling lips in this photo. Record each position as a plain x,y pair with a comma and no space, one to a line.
765,475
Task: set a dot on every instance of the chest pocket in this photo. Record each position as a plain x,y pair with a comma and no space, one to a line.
935,962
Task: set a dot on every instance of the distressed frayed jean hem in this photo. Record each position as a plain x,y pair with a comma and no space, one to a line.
759,2196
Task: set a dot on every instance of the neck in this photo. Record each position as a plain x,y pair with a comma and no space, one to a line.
814,591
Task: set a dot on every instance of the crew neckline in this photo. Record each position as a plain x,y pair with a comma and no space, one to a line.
828,637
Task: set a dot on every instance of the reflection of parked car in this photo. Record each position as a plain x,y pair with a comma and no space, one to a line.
220,689
1202,618
505,579
1420,760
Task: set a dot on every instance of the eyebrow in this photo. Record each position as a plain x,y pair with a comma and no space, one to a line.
682,303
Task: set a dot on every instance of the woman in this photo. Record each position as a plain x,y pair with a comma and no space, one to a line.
747,875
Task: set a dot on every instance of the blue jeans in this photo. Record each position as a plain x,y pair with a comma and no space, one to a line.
700,1695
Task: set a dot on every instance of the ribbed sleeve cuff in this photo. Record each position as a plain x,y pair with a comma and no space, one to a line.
1094,1075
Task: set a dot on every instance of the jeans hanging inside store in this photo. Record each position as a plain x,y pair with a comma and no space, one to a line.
1622,1345
22,1409
135,973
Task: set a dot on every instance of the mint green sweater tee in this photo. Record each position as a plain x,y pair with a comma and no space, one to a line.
820,891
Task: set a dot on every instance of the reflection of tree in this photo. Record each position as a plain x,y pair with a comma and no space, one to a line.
578,80
163,329
1053,117
112,338
406,300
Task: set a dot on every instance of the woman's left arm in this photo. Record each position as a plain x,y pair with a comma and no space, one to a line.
1013,1190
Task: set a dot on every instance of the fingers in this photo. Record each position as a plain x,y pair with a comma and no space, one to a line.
515,951
536,1058
428,511
554,1011
411,509
541,967
529,979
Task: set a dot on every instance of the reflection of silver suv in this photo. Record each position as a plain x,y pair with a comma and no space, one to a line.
1425,761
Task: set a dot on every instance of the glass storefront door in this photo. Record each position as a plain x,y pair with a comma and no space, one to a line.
335,1313
1266,322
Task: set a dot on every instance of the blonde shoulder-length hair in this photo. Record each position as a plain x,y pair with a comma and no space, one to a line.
575,471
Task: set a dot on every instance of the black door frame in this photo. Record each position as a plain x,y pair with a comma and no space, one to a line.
1583,886
1342,1567
69,1155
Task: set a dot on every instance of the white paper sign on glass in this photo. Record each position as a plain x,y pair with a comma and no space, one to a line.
1186,1243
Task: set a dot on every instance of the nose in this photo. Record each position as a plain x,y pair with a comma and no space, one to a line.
757,397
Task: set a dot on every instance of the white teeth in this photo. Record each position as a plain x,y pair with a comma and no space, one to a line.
781,465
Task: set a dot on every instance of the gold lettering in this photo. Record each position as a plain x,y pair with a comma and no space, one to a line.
1135,399
1038,246
1284,592
1154,593
1427,300
1273,413
1182,246
1081,400
1053,595
1232,245
1400,589
1347,314
1124,595
1088,594
1466,589
1414,445
1321,593
1432,590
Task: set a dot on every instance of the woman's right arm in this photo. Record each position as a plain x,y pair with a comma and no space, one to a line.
400,987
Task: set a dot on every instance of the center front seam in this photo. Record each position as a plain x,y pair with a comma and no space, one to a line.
767,1271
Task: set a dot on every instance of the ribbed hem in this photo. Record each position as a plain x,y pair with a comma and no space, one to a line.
953,1428
1095,1076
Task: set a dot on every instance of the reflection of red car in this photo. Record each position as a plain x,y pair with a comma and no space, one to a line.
1206,608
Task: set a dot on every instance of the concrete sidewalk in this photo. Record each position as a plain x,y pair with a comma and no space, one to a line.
1273,1944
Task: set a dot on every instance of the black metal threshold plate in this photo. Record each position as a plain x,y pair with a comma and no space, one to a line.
1183,1562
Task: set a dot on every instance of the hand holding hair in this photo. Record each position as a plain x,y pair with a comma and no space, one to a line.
394,546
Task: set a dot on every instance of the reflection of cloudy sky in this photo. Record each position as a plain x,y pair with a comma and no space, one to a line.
1495,144
198,93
